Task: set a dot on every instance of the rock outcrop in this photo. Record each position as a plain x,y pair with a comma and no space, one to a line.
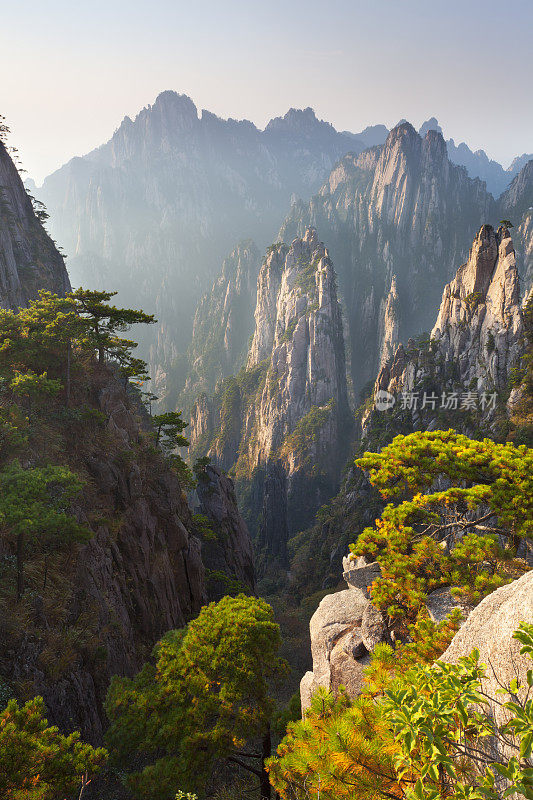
516,205
227,552
344,631
401,212
281,424
473,346
490,629
346,628
29,260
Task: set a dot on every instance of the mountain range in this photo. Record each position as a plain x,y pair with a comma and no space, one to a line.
156,210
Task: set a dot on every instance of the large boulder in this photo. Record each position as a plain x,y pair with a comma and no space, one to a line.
344,629
490,628
336,616
336,645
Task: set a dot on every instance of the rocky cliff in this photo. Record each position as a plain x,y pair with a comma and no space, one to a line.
29,260
397,214
516,205
227,552
223,323
103,606
344,631
346,628
281,424
471,351
148,568
154,211
490,628
97,610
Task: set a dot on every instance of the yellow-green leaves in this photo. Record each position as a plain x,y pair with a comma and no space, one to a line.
460,507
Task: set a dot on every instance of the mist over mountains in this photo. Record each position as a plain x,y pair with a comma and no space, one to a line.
156,210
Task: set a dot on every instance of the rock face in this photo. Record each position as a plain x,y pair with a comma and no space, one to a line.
29,260
478,164
281,423
479,322
140,575
489,628
227,553
154,211
398,214
344,630
224,322
298,327
516,204
474,344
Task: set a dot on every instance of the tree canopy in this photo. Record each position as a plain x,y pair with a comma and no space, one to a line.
36,761
203,701
34,509
464,535
421,739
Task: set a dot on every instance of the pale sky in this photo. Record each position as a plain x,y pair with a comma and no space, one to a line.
70,70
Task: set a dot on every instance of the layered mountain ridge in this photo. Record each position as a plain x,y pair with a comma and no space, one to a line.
155,210
395,218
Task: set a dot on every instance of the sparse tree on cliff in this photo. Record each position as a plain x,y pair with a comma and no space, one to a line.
105,322
34,510
449,537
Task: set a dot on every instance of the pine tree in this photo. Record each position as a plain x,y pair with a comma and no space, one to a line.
34,510
206,700
449,537
105,322
36,761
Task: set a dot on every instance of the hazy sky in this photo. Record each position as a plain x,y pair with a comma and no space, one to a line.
70,70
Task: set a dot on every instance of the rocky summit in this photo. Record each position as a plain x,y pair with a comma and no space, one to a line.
475,342
397,220
287,410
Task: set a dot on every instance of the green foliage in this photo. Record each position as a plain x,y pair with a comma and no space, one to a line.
306,434
34,509
169,427
200,466
522,379
423,738
473,300
306,280
36,761
440,716
203,699
506,223
292,712
451,536
203,527
104,322
340,750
